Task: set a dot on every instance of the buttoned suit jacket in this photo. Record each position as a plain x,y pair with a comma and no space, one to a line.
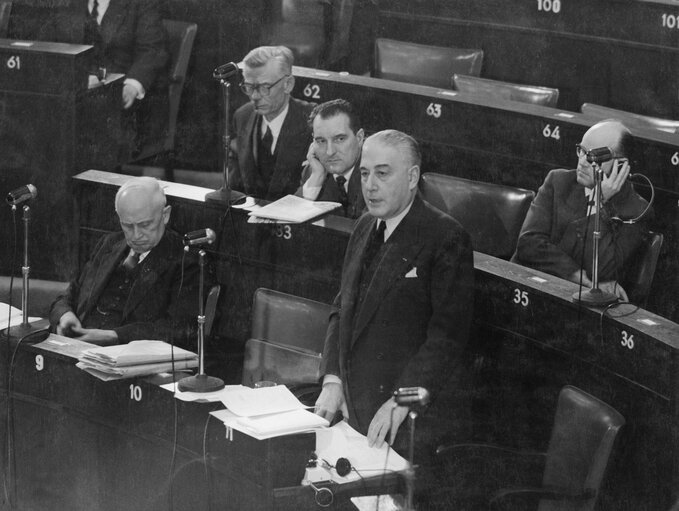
552,235
291,149
330,191
133,40
413,324
155,309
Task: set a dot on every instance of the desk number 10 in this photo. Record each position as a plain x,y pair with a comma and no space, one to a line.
14,62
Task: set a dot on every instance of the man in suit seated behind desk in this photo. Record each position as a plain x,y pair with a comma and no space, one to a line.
138,284
332,171
556,236
272,135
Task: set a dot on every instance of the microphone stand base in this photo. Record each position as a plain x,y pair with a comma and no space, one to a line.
595,297
200,383
25,329
224,195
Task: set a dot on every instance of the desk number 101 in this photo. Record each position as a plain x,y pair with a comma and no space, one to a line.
14,62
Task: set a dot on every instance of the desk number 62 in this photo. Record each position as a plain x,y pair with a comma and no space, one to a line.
14,62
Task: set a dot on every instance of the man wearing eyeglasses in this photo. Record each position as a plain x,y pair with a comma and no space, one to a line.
556,236
271,130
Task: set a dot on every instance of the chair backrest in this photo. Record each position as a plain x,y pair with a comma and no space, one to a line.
40,297
180,37
581,443
638,281
632,120
492,214
5,10
545,96
287,338
423,64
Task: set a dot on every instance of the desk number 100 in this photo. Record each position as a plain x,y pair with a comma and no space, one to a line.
549,6
14,62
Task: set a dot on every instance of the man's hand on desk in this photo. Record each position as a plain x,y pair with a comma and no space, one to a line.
95,335
608,286
330,400
387,419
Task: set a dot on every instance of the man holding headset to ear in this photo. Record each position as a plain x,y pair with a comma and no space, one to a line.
556,236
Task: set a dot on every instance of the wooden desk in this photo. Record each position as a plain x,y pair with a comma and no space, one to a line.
506,142
51,127
530,338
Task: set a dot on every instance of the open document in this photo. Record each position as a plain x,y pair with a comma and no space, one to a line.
293,210
267,412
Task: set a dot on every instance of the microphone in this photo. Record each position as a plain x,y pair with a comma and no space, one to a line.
410,395
226,71
200,237
600,155
22,194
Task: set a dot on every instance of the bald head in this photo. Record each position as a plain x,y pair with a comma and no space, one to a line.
610,133
140,205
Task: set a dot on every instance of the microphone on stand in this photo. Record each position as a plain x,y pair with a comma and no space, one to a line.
200,237
600,155
21,195
226,71
411,395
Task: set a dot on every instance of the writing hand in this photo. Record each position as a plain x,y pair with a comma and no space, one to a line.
387,419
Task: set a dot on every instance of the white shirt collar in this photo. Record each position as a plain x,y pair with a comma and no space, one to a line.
142,255
102,6
275,125
392,223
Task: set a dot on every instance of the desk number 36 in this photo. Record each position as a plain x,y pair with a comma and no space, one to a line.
627,340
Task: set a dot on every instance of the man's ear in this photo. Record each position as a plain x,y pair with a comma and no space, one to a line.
413,176
289,84
166,214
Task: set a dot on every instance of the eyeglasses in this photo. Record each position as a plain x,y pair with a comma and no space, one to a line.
264,89
580,150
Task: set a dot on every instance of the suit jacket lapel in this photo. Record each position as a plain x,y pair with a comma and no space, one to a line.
108,264
113,18
152,267
289,136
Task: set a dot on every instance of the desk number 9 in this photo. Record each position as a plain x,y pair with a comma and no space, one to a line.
39,363
520,297
14,62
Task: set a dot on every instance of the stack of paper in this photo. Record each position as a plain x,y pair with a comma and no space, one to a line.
267,412
293,210
138,358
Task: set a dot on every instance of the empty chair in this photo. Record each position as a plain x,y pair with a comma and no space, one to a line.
637,282
287,339
566,477
545,96
300,25
492,214
5,10
423,64
180,38
632,120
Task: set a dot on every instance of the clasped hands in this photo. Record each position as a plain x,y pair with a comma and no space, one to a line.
387,419
607,286
70,326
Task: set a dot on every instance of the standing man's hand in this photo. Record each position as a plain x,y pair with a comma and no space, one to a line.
129,95
387,419
330,401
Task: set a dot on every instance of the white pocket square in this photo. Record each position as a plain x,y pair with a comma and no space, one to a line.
412,274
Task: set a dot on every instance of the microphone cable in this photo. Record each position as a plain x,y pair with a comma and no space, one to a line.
648,206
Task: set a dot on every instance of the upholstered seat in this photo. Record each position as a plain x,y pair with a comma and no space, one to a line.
565,477
492,214
423,64
598,113
638,281
545,96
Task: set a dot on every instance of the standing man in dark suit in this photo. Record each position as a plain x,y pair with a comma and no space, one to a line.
403,313
332,172
272,135
138,284
556,236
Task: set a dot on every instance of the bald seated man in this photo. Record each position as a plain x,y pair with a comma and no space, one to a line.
556,236
133,287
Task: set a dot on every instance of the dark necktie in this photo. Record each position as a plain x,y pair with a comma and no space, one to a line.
344,198
374,243
131,261
95,10
267,141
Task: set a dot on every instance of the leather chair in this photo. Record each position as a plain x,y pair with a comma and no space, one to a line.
638,282
600,113
423,64
41,294
302,26
566,477
492,214
545,96
180,37
287,339
5,10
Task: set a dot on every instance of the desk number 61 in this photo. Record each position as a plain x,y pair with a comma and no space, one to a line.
14,62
